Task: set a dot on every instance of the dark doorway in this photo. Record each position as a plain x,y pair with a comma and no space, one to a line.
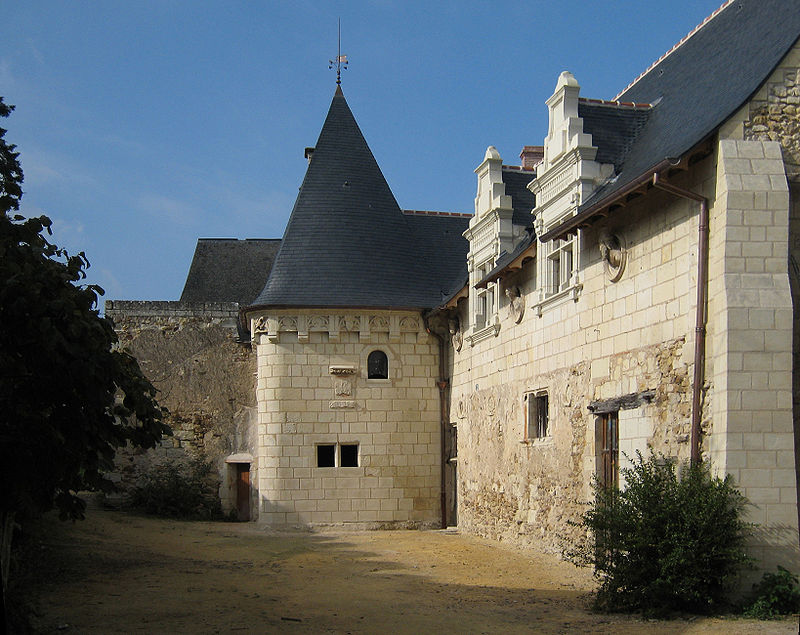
243,491
451,475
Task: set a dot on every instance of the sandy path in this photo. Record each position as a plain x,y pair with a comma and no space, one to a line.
118,573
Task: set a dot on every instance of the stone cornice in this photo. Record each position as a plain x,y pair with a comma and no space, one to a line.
394,323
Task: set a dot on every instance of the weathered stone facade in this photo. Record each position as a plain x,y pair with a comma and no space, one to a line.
612,339
774,113
616,339
205,378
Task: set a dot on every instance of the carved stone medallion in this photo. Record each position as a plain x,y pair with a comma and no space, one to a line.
613,254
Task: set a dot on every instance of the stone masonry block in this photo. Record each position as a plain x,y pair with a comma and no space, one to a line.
761,459
779,441
749,150
772,150
767,166
756,182
755,478
781,514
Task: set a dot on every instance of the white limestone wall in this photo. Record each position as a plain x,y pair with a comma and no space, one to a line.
618,338
635,433
313,388
750,322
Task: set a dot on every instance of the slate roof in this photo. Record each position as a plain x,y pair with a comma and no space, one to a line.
229,270
347,243
703,81
443,248
523,200
614,128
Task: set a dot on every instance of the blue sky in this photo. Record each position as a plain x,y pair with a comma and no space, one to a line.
145,125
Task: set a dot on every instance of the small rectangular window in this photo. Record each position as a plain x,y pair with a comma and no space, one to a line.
537,416
560,265
326,456
348,455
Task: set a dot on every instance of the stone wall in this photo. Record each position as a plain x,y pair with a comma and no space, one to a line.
205,377
750,329
619,338
314,390
774,112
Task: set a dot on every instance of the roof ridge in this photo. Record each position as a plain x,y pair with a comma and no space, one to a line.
422,212
625,104
518,168
232,239
675,47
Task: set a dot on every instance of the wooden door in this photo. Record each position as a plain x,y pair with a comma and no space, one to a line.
609,449
243,491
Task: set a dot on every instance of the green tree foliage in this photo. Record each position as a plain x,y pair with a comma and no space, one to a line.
671,540
775,595
179,489
69,397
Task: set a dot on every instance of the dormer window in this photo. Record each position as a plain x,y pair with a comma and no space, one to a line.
377,365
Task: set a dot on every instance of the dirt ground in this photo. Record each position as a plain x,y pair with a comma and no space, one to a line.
121,573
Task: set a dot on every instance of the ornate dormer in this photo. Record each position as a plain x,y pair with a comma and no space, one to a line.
490,232
491,189
567,176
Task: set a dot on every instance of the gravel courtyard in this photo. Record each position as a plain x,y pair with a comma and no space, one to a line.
121,573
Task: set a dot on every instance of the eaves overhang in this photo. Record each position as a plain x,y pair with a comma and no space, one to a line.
257,308
515,261
602,208
452,301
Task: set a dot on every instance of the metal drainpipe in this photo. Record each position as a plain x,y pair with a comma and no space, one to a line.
701,311
442,384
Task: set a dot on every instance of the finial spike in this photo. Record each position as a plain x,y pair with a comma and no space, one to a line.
341,60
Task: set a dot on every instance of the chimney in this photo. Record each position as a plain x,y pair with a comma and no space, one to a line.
531,155
308,153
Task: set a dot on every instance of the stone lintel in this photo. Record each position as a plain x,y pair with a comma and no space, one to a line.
626,402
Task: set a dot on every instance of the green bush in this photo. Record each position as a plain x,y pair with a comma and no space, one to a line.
671,540
777,594
179,489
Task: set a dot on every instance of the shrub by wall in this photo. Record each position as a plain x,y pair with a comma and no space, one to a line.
187,489
672,540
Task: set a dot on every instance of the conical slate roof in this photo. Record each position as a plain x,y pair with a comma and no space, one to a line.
347,243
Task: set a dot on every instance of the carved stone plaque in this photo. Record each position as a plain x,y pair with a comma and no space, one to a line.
342,388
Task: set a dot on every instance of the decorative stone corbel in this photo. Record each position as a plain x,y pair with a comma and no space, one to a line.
268,326
394,328
302,328
456,337
364,334
333,328
515,304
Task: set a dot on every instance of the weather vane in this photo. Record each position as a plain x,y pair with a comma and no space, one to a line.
341,60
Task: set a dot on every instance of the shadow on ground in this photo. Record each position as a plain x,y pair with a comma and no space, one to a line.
120,573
